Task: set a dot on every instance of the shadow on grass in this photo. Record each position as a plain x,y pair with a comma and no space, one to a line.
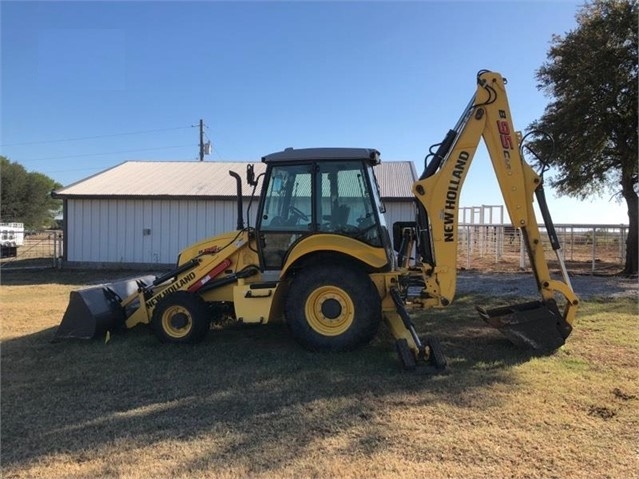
10,264
252,392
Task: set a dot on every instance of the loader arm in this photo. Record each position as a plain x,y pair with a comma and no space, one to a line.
437,194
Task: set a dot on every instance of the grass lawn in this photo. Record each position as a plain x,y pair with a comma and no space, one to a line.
249,402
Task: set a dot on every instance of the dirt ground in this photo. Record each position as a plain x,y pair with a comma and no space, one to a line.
523,285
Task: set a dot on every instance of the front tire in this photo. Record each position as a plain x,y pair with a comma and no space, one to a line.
181,317
332,307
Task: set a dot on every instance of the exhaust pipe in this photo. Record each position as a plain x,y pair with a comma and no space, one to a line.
240,206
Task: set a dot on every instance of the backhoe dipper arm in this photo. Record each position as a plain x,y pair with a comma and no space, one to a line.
438,190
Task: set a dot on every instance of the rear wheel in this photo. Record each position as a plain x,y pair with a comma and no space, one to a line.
332,307
181,317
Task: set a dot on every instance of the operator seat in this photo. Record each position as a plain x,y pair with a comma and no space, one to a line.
340,216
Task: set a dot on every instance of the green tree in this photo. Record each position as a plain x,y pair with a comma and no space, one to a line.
26,196
591,77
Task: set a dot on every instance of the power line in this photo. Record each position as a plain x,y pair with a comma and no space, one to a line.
97,136
107,153
74,169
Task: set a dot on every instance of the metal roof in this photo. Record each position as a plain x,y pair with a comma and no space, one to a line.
205,179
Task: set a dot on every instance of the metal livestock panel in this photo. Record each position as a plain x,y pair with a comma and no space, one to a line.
142,231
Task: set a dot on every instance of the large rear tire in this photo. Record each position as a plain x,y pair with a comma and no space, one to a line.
181,317
332,307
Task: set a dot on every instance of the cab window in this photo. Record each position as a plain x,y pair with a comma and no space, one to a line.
287,204
344,202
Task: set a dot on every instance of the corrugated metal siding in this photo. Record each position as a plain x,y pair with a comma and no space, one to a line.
112,231
398,211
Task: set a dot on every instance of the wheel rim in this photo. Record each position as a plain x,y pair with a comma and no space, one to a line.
177,322
329,311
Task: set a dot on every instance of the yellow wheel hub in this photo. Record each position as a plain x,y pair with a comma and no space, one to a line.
177,322
329,311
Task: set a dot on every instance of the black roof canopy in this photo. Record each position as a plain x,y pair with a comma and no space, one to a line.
323,154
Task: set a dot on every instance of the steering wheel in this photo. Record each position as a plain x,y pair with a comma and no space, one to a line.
300,214
363,231
365,221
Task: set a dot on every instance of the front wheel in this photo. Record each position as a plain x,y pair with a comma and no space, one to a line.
181,317
332,307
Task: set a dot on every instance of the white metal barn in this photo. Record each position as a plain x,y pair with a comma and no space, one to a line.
142,213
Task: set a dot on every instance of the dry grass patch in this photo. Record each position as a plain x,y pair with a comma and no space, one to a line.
249,402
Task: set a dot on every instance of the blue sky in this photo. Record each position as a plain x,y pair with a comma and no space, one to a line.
121,81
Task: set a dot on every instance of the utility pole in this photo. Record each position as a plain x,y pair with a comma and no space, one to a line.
201,140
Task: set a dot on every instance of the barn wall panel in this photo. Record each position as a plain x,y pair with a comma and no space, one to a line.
399,211
113,230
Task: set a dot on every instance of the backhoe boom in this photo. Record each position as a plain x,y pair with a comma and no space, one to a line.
438,191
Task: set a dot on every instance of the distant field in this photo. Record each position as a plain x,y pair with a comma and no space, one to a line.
248,402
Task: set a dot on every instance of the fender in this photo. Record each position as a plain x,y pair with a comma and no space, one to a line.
375,257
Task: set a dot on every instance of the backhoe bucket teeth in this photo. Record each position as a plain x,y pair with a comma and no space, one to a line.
535,325
95,310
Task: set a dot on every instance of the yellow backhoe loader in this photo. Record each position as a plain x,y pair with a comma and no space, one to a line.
321,256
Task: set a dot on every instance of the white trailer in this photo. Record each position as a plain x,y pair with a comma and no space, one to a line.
11,237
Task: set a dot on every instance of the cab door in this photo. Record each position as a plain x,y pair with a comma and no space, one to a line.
286,211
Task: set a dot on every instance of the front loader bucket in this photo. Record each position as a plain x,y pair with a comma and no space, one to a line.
535,325
95,310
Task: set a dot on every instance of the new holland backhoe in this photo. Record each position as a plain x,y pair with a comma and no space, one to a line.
320,254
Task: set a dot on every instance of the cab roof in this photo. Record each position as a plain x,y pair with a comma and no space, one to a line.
323,154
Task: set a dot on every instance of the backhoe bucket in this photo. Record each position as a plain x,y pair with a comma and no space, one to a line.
536,325
95,310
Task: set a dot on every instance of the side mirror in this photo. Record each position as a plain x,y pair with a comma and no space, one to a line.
250,175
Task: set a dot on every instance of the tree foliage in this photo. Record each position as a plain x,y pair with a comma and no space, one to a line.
26,196
591,76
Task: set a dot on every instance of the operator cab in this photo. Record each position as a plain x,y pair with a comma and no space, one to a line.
319,191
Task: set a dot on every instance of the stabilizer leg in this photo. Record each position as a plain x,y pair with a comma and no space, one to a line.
410,348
